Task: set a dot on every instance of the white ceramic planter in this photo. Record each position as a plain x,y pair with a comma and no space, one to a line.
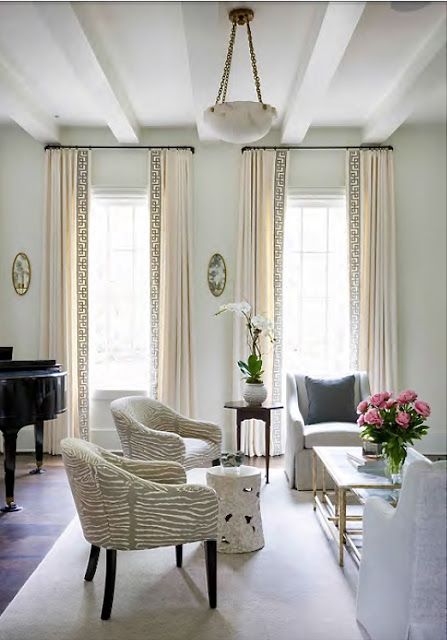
254,394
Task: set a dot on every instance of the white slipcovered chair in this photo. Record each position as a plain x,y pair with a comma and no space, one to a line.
149,430
301,437
130,505
402,579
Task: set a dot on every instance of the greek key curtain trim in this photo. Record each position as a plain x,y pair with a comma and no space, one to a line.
353,181
279,203
82,205
155,227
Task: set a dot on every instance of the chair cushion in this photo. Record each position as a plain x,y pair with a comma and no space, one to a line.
330,400
332,434
199,453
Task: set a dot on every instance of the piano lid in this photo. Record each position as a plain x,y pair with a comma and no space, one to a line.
27,365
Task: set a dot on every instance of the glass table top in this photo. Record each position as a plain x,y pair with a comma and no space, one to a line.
344,472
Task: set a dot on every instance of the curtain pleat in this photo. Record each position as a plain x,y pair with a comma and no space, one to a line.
371,195
259,277
171,254
63,320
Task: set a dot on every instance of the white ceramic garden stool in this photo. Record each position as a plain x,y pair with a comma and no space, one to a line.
239,521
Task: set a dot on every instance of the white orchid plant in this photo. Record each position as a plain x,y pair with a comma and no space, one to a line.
257,326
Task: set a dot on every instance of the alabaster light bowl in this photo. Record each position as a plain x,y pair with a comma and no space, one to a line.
240,122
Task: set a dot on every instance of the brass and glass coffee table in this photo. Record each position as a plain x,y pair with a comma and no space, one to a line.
348,482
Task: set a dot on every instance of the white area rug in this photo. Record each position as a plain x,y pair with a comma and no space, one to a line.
292,588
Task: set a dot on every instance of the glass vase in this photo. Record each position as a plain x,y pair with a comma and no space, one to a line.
395,458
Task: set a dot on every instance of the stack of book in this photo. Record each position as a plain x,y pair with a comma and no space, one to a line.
365,464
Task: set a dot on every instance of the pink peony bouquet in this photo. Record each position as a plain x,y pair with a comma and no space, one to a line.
393,422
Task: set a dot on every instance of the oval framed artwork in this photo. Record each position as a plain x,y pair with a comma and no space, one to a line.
217,275
21,273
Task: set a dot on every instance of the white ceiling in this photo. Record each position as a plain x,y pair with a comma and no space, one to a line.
158,64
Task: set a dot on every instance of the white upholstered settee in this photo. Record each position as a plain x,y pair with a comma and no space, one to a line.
402,579
301,437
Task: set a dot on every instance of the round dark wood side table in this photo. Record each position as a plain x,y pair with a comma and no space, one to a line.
262,412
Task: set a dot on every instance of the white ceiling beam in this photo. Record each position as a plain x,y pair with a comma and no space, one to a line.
205,55
423,75
72,25
334,26
18,103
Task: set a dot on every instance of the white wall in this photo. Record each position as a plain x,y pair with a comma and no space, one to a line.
420,175
21,210
420,190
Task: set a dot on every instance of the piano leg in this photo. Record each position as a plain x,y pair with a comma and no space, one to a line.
38,439
10,440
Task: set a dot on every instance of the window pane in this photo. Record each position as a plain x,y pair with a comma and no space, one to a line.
316,289
337,229
292,233
119,315
120,227
337,274
314,229
314,275
313,326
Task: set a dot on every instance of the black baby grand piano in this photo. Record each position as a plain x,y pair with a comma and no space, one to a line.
31,391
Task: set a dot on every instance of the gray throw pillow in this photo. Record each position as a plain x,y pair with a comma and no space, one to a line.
330,400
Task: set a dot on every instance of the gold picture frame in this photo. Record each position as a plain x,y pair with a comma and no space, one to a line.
21,273
217,274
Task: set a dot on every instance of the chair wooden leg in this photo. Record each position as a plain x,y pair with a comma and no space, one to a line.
211,571
92,563
179,554
109,588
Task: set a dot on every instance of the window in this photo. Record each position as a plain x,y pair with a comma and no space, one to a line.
316,289
119,302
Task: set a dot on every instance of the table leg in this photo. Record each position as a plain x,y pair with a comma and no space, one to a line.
38,439
341,523
238,430
267,448
314,478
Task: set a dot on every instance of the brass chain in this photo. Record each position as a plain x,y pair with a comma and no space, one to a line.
223,87
253,63
226,73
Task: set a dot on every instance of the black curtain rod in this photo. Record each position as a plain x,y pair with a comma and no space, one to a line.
128,146
316,148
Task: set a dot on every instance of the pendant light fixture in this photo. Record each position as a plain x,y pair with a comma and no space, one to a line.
240,121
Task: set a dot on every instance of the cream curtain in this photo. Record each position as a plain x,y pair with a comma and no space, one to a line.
373,265
259,278
171,255
63,321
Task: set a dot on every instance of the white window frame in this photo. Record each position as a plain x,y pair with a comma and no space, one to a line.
316,197
109,194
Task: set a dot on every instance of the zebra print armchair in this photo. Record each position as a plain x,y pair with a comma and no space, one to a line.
149,430
122,504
